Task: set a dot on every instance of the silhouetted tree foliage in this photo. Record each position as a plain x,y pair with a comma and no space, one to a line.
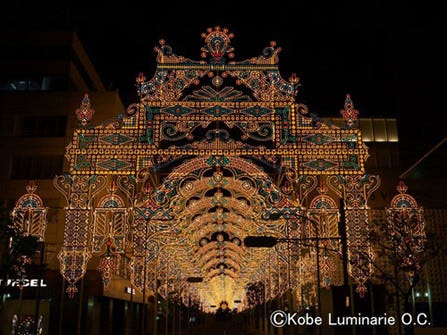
16,251
400,243
255,293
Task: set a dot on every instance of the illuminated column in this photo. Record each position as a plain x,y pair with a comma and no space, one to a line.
323,212
355,190
109,231
74,256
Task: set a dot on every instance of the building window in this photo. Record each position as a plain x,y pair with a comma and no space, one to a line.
22,84
45,83
36,167
44,126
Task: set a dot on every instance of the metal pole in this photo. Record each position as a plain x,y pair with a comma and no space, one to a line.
20,303
178,312
373,309
318,272
81,301
189,313
36,317
413,302
174,298
264,323
396,274
267,323
166,299
156,295
61,310
289,280
130,318
318,277
344,257
351,291
143,321
430,311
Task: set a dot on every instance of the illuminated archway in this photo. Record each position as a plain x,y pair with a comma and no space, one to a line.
214,151
212,207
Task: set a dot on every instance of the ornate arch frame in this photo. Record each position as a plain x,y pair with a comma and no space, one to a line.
212,116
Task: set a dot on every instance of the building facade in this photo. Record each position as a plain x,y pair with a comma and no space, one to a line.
37,73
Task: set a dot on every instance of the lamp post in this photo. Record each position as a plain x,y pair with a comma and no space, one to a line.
270,241
312,241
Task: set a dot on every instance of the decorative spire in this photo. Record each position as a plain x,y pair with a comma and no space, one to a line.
141,78
349,113
322,188
403,199
401,187
85,113
31,187
217,44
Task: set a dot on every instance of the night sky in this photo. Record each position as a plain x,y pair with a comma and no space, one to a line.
389,55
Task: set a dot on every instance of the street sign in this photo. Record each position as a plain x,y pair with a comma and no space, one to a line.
260,241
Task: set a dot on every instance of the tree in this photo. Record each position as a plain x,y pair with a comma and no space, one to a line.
16,251
402,244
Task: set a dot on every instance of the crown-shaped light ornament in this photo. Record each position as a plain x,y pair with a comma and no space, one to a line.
349,113
85,113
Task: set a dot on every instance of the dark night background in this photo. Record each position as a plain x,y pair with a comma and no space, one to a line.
389,55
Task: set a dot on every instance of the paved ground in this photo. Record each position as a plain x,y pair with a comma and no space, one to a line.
216,326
